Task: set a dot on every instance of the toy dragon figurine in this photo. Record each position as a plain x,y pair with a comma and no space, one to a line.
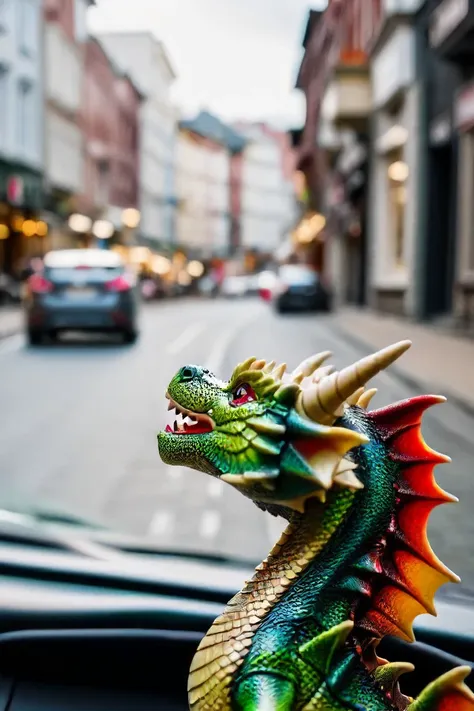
354,563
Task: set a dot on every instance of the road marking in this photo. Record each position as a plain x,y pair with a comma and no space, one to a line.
210,524
12,343
161,523
218,353
215,489
188,335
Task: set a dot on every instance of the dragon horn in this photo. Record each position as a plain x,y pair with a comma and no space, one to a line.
269,366
354,398
366,397
310,365
279,371
258,365
323,372
323,402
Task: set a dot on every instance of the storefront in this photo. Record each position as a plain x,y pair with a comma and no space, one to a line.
394,170
451,164
22,229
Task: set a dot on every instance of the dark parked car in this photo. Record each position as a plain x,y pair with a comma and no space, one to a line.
81,290
299,288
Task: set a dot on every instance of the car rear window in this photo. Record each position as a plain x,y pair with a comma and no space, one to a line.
71,274
298,275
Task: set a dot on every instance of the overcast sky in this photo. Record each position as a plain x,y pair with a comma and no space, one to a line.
238,58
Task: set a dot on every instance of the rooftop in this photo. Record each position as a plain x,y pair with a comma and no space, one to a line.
209,126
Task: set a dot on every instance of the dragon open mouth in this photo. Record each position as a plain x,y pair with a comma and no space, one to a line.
186,421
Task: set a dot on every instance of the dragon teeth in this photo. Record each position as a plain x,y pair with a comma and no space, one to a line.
182,418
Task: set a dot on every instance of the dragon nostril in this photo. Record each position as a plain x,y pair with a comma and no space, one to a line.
187,373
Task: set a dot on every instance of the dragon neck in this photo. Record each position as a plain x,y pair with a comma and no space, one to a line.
301,545
347,536
227,642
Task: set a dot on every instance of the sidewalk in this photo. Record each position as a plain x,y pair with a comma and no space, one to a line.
11,320
436,363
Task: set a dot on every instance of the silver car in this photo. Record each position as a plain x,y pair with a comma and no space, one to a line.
81,290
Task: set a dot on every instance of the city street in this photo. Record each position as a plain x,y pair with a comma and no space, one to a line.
80,418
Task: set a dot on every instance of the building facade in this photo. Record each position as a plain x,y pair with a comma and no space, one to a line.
208,183
360,75
387,153
316,141
440,81
22,232
146,60
268,203
64,42
111,121
449,42
202,182
395,171
343,135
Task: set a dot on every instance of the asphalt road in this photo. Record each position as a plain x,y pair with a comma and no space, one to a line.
79,424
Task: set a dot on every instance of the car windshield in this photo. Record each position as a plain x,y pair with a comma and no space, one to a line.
184,184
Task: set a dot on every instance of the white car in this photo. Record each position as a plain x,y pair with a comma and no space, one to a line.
234,286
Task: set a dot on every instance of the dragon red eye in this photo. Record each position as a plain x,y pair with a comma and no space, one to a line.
243,394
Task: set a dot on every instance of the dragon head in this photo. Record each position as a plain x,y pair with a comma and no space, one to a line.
269,433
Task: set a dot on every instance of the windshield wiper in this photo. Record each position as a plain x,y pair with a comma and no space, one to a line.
66,519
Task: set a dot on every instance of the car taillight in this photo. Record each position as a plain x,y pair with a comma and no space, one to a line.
265,294
39,285
120,283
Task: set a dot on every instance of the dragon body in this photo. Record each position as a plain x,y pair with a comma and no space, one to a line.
354,563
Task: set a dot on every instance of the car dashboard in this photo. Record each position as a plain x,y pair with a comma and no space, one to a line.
96,628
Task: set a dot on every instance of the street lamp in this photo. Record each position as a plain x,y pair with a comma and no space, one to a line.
131,218
103,229
79,223
160,265
195,269
41,228
398,171
29,228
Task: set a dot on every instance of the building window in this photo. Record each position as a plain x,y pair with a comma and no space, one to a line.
27,26
26,116
397,173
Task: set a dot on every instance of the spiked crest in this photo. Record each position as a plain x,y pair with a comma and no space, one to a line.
314,395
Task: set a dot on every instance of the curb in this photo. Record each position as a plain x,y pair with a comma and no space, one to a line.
9,334
411,381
